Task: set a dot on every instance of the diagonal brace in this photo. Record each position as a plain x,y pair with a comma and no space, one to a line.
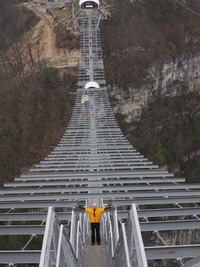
74,17
104,15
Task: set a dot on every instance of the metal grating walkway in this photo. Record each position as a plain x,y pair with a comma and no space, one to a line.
95,256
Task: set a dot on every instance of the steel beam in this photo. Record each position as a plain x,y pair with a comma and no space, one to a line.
22,230
87,168
73,181
172,252
168,212
100,195
74,161
38,204
32,216
155,213
131,187
195,262
169,225
20,257
100,174
91,146
155,201
101,164
98,130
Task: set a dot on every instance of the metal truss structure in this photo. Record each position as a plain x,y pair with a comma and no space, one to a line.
49,5
95,162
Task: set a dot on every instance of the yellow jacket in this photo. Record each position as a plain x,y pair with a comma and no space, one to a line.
94,216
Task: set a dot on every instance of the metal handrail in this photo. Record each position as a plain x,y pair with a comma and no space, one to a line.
110,232
66,256
121,256
134,239
115,229
48,234
72,230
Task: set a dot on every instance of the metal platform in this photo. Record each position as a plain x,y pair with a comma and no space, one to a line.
95,256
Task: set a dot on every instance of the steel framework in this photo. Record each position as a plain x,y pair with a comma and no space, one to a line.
95,162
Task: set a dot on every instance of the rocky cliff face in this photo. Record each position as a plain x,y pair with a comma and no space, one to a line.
169,78
177,75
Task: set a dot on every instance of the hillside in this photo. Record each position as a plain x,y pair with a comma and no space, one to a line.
151,55
38,85
140,33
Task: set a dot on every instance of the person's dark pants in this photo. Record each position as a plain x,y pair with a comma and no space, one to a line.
95,226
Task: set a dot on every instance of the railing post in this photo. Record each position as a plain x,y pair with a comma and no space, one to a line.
81,221
111,238
72,230
84,228
116,228
139,246
105,227
88,226
46,246
77,238
126,246
59,246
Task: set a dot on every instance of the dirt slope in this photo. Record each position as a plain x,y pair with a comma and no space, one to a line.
42,38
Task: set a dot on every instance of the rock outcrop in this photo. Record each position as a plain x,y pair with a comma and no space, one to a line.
172,77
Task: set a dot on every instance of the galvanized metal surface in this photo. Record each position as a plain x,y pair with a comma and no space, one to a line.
155,201
17,257
131,187
32,216
95,256
195,262
107,195
172,252
38,205
170,225
103,174
105,181
173,212
134,239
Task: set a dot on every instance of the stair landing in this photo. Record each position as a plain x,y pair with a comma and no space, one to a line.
95,256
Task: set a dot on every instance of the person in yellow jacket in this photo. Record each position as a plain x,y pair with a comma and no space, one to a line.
95,215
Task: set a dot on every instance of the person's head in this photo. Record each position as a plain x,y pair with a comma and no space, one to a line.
94,206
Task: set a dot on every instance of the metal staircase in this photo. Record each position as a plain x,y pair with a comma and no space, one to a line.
95,162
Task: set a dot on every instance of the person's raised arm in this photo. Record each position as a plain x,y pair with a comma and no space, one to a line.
109,208
79,207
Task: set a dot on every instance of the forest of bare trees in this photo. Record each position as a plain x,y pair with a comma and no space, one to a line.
35,102
143,32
